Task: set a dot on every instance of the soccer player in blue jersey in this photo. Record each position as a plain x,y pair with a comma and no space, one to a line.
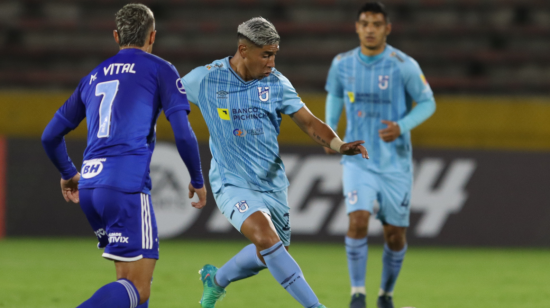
242,99
121,100
376,84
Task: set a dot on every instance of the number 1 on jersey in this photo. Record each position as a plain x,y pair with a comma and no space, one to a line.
108,90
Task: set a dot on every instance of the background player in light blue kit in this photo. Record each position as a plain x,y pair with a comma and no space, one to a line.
122,99
377,84
242,99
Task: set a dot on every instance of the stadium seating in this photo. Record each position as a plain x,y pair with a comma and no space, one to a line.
463,46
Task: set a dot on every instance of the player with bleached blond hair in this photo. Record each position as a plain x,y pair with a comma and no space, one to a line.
242,99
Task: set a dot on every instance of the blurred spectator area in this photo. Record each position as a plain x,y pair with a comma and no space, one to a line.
463,46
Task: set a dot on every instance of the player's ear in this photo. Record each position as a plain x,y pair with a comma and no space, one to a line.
115,35
152,37
243,50
388,29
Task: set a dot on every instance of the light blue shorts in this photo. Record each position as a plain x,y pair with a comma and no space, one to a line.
237,204
392,190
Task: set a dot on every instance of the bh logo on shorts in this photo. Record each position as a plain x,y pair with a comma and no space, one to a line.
383,82
242,206
93,167
263,92
239,132
352,197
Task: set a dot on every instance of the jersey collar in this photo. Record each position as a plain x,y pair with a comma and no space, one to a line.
374,59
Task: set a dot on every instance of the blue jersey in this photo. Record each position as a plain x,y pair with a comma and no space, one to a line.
121,100
372,92
243,119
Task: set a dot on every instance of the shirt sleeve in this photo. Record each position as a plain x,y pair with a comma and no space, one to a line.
172,92
419,90
291,101
333,110
67,118
73,111
334,86
192,83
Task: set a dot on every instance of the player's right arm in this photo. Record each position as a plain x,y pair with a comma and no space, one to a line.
67,118
176,107
335,99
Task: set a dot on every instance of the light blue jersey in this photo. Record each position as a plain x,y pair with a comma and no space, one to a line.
243,119
382,89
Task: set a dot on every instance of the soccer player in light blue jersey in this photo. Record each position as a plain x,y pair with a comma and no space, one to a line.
242,99
121,100
377,84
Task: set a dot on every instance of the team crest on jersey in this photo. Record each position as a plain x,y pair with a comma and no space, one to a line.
180,86
263,92
92,167
351,97
242,206
352,197
383,82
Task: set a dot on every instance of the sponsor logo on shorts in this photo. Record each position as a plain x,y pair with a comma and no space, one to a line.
242,206
100,233
352,197
118,238
92,167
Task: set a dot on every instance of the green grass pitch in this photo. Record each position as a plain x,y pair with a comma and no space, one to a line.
64,272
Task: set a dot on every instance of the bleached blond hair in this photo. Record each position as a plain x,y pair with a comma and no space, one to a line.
259,31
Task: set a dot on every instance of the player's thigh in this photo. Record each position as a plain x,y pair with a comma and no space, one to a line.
237,204
395,196
360,189
130,225
93,217
277,203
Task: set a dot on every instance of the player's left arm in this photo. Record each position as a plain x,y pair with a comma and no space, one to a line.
324,135
67,118
419,89
320,132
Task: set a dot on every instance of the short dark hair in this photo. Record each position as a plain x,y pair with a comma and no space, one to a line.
133,22
374,7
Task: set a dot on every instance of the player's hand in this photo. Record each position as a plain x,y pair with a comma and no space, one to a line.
391,132
69,188
201,193
354,148
330,151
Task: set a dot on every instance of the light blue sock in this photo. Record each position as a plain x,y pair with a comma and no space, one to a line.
243,265
357,250
391,261
119,294
287,272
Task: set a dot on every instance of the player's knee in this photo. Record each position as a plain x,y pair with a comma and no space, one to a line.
266,241
358,224
396,239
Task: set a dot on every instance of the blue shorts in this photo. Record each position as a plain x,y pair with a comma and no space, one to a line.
124,223
237,204
391,190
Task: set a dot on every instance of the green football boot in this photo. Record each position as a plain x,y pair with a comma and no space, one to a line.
321,306
212,292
